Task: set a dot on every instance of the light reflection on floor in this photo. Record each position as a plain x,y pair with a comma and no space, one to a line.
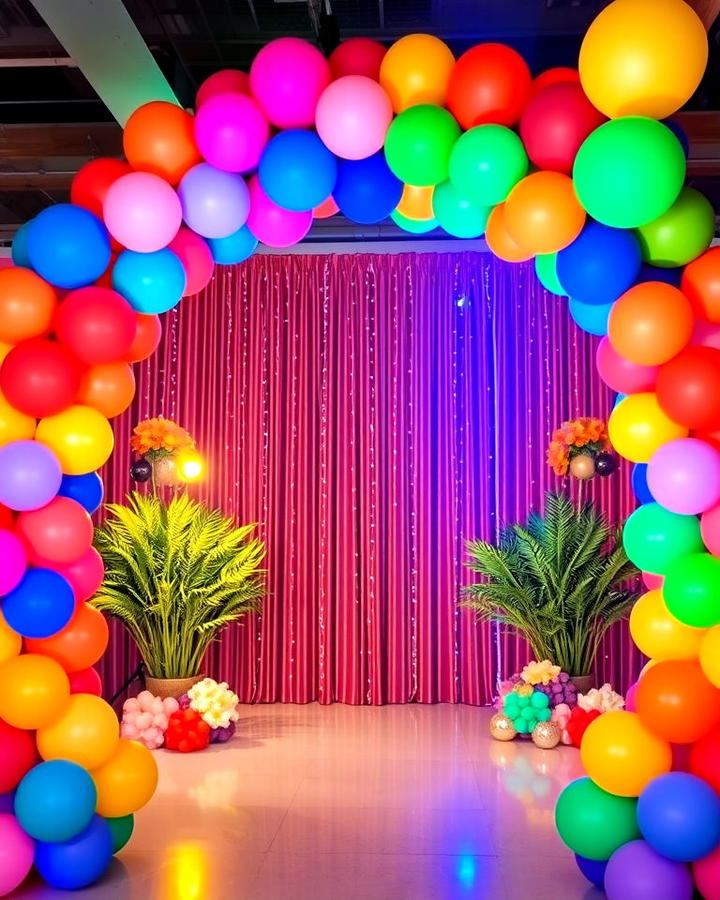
351,803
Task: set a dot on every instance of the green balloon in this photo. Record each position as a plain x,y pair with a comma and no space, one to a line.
654,537
539,700
682,233
458,214
487,162
629,171
414,226
594,823
418,144
121,830
546,271
691,590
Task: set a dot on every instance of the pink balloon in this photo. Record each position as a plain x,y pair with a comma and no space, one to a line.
85,574
353,116
630,697
270,223
684,476
706,875
287,78
621,375
60,532
86,681
17,850
231,132
223,82
706,334
14,561
710,529
652,581
196,257
142,212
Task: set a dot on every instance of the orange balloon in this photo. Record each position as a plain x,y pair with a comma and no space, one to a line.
499,241
650,323
80,644
109,388
543,213
159,138
701,285
416,69
126,781
416,203
34,691
27,305
147,338
87,733
676,701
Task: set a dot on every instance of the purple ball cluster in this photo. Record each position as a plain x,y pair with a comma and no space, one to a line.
184,701
560,690
222,734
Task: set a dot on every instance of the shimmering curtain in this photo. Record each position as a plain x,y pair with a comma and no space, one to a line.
371,413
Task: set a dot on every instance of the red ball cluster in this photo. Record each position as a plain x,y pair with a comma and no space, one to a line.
578,723
187,731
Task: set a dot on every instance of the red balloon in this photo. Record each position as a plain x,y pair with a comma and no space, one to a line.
489,83
97,324
85,574
7,518
92,182
555,123
17,755
79,645
60,532
87,681
705,758
557,75
676,701
196,257
148,332
40,377
701,285
226,81
688,388
619,374
357,56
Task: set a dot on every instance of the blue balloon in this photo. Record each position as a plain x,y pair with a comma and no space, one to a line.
150,282
593,319
297,171
77,863
671,276
87,490
680,134
235,248
619,399
592,869
600,264
55,801
640,485
20,245
366,190
679,816
68,246
41,605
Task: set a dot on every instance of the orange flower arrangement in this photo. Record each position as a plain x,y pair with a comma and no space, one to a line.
156,438
584,435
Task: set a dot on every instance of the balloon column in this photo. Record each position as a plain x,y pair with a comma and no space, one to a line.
577,170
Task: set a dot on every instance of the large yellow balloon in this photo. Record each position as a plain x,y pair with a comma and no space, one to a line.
710,655
621,755
416,203
14,425
638,426
87,733
80,437
416,69
34,691
126,781
10,641
643,57
659,634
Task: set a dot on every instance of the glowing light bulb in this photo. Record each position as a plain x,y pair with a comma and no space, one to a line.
190,466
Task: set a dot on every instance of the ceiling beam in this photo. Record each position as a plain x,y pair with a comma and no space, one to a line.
82,140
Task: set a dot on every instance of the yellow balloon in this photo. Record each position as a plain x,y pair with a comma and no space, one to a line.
10,641
643,57
14,425
126,781
34,691
416,203
621,755
87,733
638,426
80,437
651,663
659,634
710,655
5,348
416,69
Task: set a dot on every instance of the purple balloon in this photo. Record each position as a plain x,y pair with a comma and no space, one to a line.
14,561
636,872
215,203
30,475
684,476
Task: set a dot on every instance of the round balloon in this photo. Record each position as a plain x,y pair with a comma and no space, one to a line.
224,81
151,283
679,816
542,212
546,271
459,215
684,476
650,323
591,317
80,438
76,863
499,240
414,226
86,681
621,375
40,377
366,190
638,426
68,246
658,634
418,144
676,702
272,224
353,116
655,538
31,475
703,758
593,822
636,872
121,829
78,646
41,605
27,305
34,690
87,490
148,332
87,733
18,755
710,656
490,83
416,70
142,212
231,131
214,203
357,56
701,285
487,162
17,851
14,557
600,264
159,138
688,388
96,324
84,574
416,203
126,781
287,78
297,171
681,234
691,588
235,248
93,180
108,388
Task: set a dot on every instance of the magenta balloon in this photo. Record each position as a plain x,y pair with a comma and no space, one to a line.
231,132
197,259
142,212
14,561
621,375
225,81
85,574
215,204
59,533
273,225
684,476
710,529
652,581
630,697
16,854
30,475
353,116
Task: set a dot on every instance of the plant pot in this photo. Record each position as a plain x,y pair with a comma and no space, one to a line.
583,683
170,687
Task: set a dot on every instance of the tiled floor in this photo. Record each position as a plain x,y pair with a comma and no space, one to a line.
352,803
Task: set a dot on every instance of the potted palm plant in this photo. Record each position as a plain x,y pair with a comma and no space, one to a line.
561,580
175,575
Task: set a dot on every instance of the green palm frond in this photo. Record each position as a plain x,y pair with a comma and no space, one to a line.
175,575
561,579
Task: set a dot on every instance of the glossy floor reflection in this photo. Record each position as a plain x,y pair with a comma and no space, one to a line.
352,803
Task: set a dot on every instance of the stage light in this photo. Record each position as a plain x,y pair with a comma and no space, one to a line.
190,466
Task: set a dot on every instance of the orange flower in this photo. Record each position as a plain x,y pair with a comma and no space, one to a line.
160,434
575,433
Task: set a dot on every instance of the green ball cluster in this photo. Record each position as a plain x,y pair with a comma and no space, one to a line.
526,712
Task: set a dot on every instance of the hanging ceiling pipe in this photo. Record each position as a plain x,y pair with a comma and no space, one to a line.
38,62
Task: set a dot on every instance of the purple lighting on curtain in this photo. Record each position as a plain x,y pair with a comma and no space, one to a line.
371,413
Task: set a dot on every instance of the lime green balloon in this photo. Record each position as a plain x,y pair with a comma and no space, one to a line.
414,226
487,162
682,233
418,144
629,171
121,830
546,271
691,590
654,537
457,213
594,823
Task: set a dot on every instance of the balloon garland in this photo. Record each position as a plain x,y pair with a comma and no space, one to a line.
412,133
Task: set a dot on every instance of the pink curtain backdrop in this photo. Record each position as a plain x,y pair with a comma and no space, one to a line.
371,413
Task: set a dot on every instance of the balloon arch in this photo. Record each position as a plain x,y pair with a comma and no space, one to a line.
581,171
